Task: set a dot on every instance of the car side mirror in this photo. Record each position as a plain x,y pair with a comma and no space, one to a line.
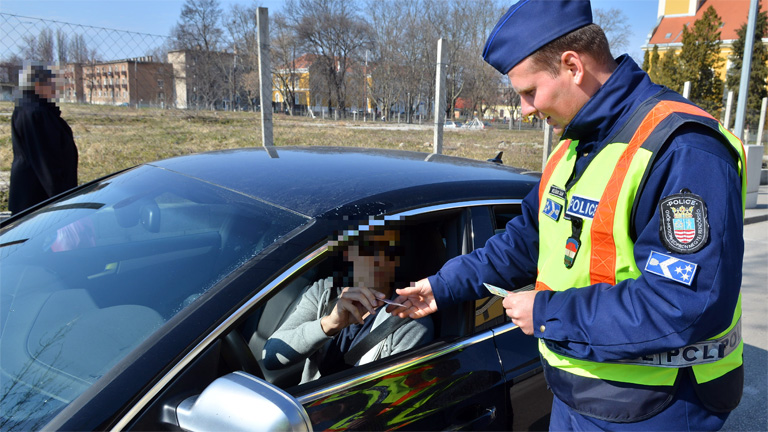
241,402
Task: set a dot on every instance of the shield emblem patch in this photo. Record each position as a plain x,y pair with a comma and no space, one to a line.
683,224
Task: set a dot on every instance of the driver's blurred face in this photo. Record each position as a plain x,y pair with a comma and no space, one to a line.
375,261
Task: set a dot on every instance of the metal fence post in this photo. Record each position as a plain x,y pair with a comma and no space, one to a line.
547,144
762,122
265,78
439,100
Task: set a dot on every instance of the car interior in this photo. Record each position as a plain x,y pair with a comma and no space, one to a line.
427,244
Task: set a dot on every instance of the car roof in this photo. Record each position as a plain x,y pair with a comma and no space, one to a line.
317,180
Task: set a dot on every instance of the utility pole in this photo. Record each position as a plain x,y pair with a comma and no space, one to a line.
746,67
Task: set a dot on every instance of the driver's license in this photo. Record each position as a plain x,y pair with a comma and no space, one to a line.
501,292
392,302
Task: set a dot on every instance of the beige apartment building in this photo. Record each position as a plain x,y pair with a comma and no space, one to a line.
131,82
202,79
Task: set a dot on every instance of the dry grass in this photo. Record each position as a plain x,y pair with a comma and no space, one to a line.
114,138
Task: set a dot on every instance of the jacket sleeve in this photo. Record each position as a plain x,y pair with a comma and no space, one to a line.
507,260
652,313
44,149
300,335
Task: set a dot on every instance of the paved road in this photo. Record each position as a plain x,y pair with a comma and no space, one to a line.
752,414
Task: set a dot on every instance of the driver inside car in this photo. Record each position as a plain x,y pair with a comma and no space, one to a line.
340,322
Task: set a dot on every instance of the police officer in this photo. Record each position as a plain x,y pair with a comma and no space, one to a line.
633,236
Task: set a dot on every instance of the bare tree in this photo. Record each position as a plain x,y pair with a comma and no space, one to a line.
394,66
616,27
78,49
199,33
241,24
335,32
61,46
286,49
199,26
39,48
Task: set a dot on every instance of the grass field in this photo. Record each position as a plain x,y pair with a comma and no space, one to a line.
113,138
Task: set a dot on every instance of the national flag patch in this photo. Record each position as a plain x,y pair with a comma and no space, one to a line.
671,268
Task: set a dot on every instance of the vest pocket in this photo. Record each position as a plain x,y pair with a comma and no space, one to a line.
612,401
722,394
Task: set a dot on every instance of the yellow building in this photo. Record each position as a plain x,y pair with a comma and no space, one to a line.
674,14
297,76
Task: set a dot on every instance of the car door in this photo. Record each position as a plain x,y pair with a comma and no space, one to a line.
454,382
529,400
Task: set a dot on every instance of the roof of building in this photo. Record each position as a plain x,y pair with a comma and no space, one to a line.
733,13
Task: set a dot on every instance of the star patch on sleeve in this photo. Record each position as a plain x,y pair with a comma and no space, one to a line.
671,268
683,223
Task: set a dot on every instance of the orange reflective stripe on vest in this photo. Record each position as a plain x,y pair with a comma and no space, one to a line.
550,167
603,259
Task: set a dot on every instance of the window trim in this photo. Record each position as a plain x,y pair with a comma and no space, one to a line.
309,259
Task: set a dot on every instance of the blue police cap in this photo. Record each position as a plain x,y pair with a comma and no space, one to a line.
529,25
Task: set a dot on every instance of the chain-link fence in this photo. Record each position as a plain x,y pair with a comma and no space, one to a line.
131,98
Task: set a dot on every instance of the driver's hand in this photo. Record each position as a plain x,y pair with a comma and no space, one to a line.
354,304
418,299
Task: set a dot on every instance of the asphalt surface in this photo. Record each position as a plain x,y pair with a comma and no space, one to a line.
752,413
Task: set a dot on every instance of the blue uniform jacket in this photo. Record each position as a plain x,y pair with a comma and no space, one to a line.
640,316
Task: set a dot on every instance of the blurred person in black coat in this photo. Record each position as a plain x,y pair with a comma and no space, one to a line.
44,152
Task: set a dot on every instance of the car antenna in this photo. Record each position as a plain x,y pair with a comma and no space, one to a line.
497,159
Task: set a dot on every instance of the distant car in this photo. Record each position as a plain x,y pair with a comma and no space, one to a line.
142,300
451,125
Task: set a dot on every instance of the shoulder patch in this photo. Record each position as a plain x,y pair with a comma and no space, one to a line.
683,223
671,268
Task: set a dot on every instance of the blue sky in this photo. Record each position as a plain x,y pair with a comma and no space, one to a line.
158,16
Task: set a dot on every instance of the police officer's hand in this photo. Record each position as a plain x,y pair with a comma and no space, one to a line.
353,306
519,307
418,299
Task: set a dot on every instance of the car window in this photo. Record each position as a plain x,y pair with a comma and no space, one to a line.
489,311
84,280
422,248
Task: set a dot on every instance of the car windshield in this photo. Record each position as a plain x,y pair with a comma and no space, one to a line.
86,279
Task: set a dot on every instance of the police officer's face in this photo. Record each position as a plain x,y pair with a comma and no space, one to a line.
554,99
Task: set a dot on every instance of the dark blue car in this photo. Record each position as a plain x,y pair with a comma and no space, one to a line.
142,301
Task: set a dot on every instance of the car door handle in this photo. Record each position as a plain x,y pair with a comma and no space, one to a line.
485,418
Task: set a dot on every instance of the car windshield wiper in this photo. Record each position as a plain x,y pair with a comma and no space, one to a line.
85,205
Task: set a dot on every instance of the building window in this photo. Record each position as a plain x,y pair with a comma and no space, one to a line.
160,83
669,35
